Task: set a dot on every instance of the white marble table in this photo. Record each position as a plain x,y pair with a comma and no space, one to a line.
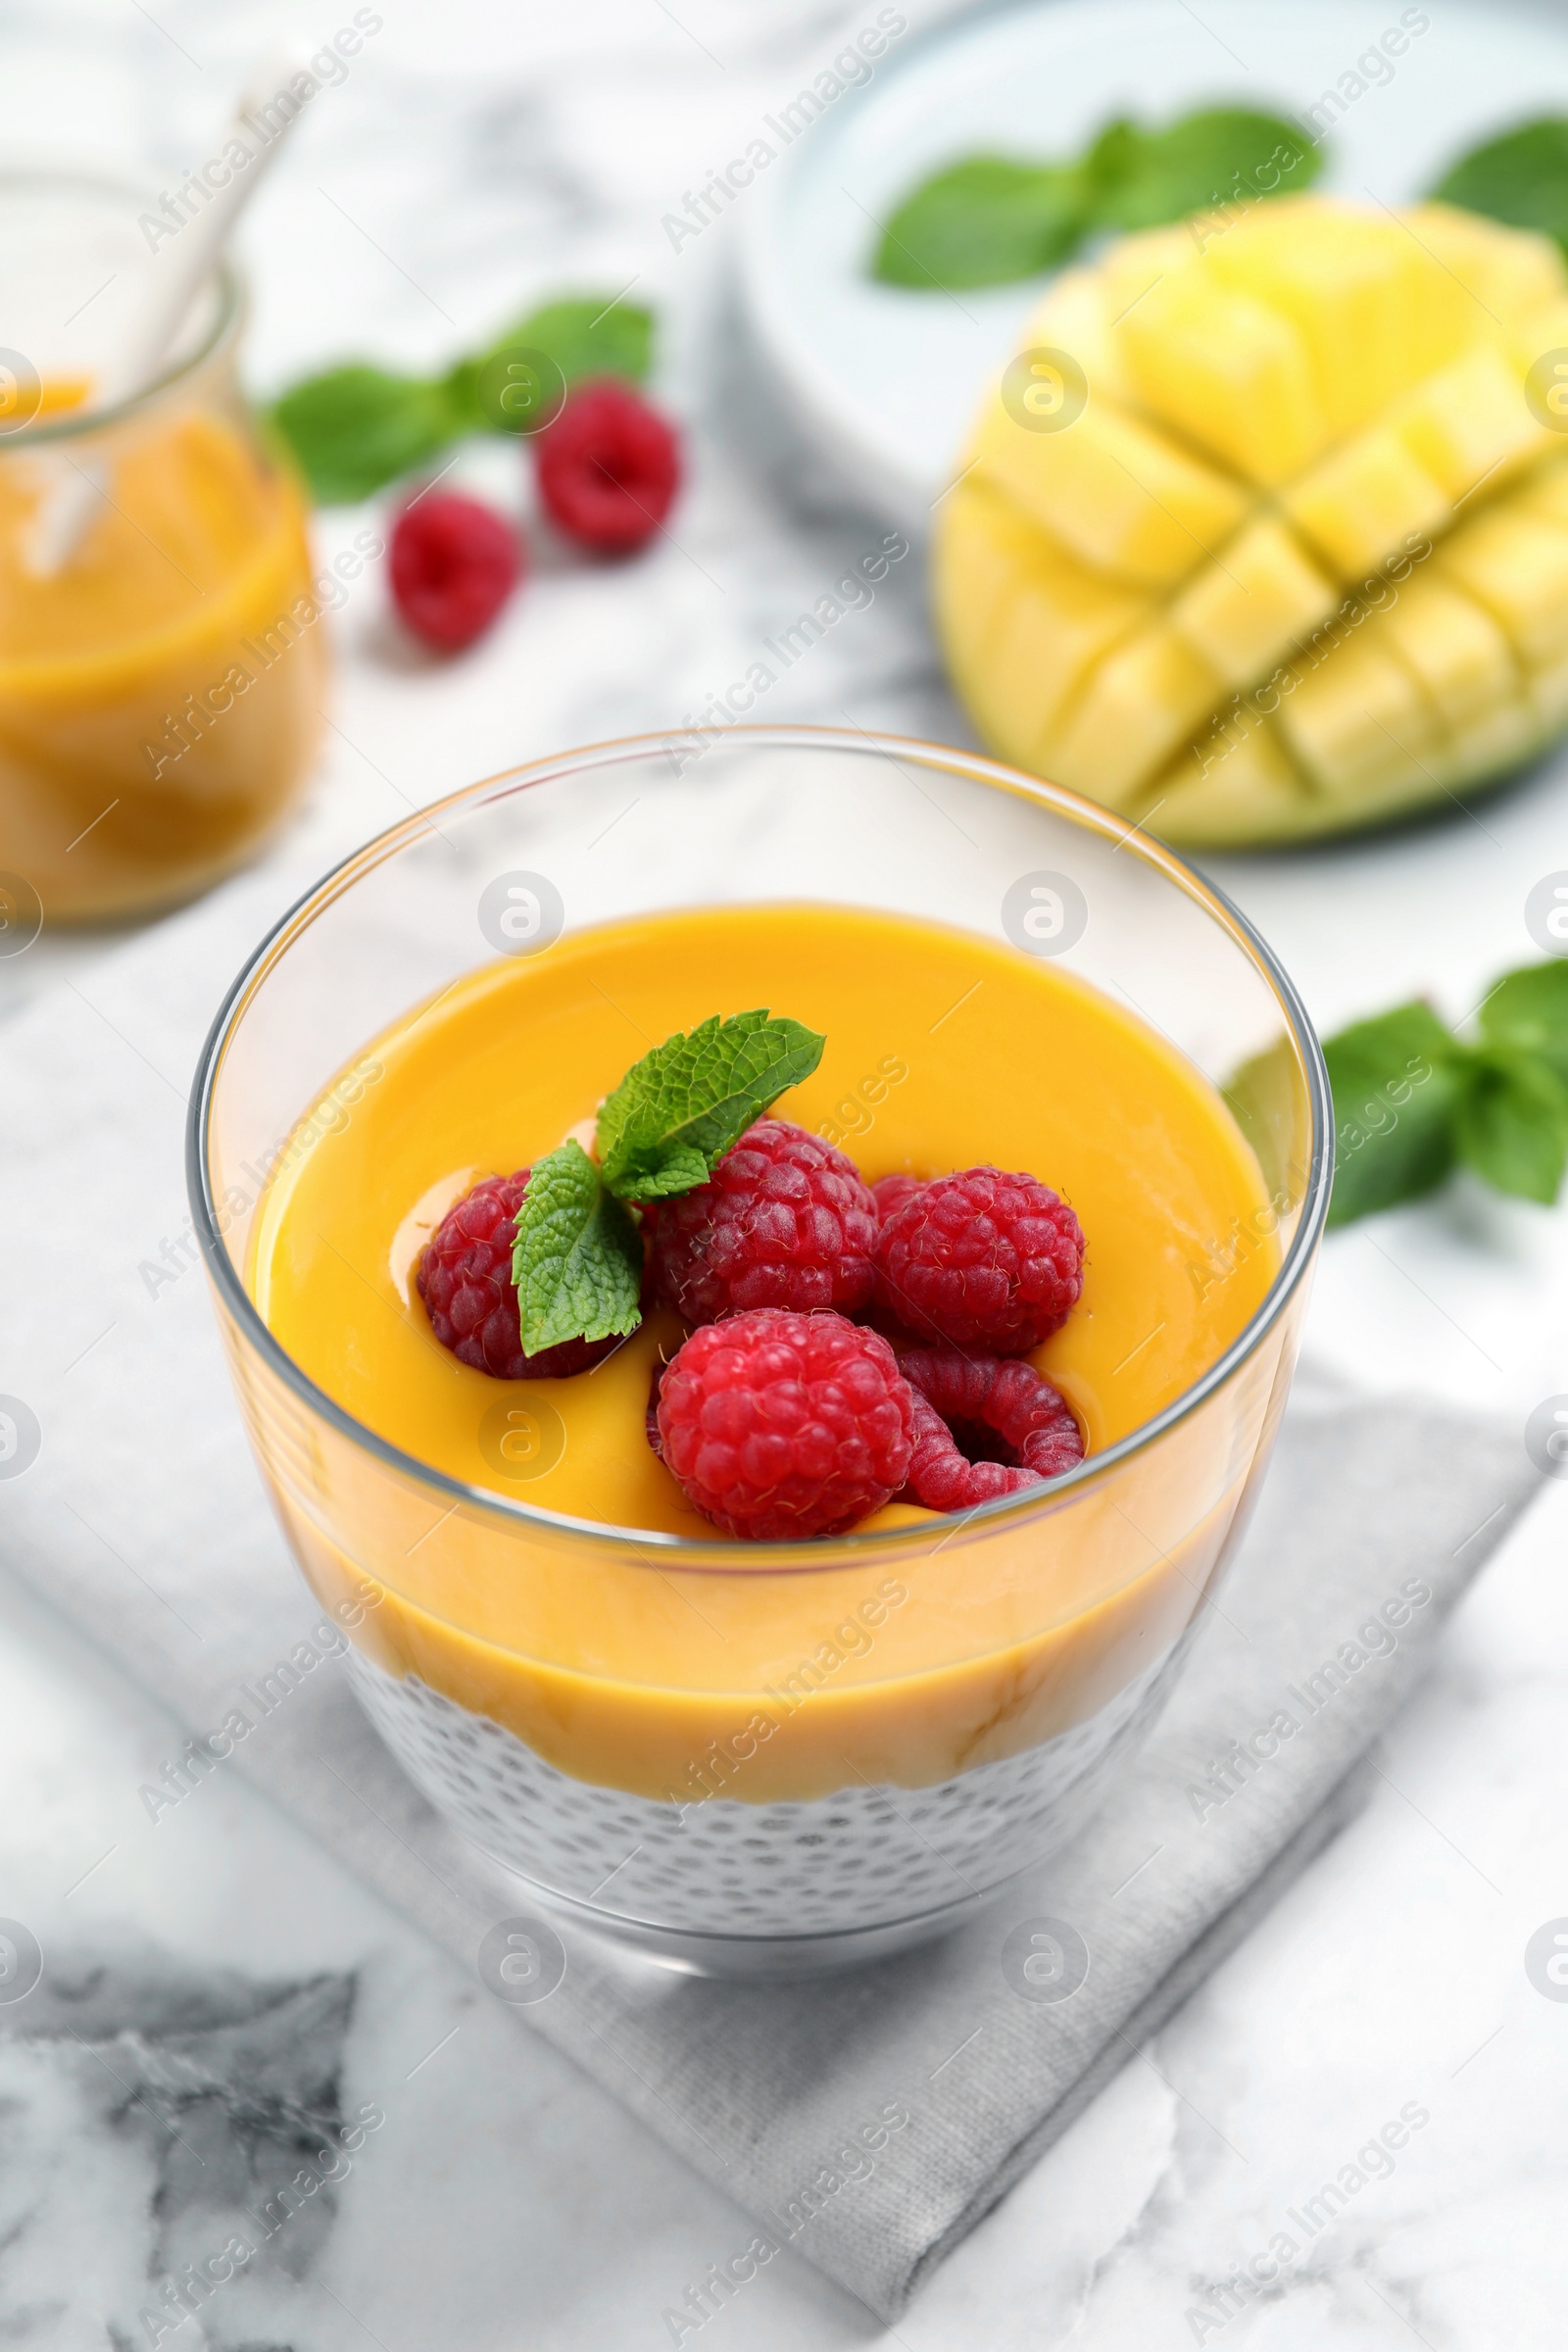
479,153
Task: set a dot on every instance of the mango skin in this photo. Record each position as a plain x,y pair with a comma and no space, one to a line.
1298,563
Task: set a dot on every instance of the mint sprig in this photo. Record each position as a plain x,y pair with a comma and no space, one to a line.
577,1260
1511,1124
1521,178
1412,1100
990,218
1392,1110
1220,155
983,223
357,428
1529,1009
678,1111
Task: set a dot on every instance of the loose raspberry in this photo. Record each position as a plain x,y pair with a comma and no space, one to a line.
783,1221
781,1426
890,1193
984,1397
609,467
453,564
983,1258
464,1277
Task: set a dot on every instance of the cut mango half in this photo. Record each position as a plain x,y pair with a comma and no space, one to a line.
1298,559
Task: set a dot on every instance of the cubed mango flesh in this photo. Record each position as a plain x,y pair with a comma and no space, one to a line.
1315,509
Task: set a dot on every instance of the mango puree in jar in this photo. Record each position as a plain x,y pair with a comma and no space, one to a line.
944,1642
159,692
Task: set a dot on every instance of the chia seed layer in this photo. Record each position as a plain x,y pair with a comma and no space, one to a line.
863,1856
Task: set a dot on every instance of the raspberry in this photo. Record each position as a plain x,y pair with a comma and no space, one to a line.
783,1221
985,1398
780,1425
983,1259
890,1193
464,1277
454,565
609,467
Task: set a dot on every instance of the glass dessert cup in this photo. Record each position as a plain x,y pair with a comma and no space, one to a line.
750,1759
161,685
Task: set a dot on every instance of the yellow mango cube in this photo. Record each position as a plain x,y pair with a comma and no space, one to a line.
1136,265
1259,599
1138,704
1495,740
1506,272
1356,290
1072,317
1462,659
1118,494
1469,425
1537,346
1229,372
1369,501
1021,620
1546,493
993,554
1359,724
1234,788
1517,567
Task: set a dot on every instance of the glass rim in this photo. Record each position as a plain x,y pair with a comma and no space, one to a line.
726,1554
76,424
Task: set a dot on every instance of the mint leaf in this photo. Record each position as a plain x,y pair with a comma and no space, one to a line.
682,1168
1511,1123
587,335
1521,178
519,384
991,218
357,428
1529,1009
1139,178
1410,1100
678,1111
578,1260
981,223
1394,1092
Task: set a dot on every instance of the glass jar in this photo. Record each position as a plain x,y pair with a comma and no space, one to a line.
641,1724
160,686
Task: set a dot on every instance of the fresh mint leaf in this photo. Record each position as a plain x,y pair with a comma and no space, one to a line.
1139,178
681,1169
1394,1095
984,222
1511,1123
1529,1009
990,218
1521,178
578,1260
588,335
358,427
519,384
1410,1100
678,1111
